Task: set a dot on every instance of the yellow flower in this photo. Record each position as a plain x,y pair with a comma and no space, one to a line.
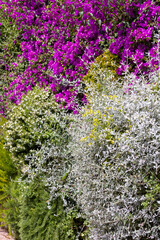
97,111
83,139
87,112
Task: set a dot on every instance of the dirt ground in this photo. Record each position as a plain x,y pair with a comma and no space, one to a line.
4,235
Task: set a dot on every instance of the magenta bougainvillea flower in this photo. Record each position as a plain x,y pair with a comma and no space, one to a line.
60,39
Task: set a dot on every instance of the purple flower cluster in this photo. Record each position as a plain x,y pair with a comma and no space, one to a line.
133,41
60,39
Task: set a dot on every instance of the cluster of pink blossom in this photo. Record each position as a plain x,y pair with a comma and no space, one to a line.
134,41
60,39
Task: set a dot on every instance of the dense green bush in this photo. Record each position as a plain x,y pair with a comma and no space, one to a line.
105,63
11,208
44,219
36,120
7,168
8,173
10,39
116,170
31,215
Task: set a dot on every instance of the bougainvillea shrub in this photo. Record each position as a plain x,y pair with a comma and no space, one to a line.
116,161
43,51
61,39
133,36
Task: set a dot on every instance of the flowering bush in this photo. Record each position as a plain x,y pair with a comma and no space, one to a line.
133,35
115,170
61,39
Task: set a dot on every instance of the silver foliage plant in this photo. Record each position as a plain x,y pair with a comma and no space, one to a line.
116,169
53,163
106,158
110,161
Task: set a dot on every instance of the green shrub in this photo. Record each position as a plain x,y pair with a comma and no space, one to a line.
44,219
36,120
8,173
30,214
7,169
107,63
11,212
102,122
10,40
